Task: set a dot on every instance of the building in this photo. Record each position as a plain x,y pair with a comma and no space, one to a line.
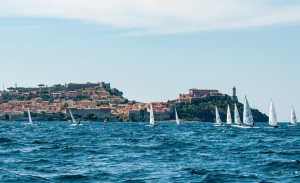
198,93
72,94
72,86
57,95
87,103
184,99
234,98
104,85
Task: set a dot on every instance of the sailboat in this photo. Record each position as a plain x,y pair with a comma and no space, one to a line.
152,122
272,116
237,119
73,120
229,120
218,119
293,118
247,116
29,119
177,120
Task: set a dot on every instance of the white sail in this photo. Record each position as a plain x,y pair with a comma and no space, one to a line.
73,119
152,122
272,115
229,120
293,117
177,120
218,119
248,118
237,118
29,117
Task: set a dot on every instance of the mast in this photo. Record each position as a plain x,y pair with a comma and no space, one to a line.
152,122
177,120
237,118
293,117
218,119
272,115
229,120
248,118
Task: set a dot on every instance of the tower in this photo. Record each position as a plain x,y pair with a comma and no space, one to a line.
234,97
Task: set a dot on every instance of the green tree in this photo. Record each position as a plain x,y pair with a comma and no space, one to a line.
117,117
11,88
90,116
133,102
41,85
60,116
132,118
6,117
106,117
125,100
65,105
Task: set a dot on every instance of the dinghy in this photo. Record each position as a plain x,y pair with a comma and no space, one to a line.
293,118
218,119
177,119
272,117
152,122
247,116
74,121
237,119
229,120
29,119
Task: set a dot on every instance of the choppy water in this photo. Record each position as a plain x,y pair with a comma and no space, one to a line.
134,152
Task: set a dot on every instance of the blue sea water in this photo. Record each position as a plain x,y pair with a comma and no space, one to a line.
135,152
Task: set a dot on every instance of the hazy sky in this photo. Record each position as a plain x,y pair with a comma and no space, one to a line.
154,50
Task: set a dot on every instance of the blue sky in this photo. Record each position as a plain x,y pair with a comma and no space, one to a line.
153,52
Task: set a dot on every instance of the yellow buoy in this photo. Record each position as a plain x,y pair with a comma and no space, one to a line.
105,122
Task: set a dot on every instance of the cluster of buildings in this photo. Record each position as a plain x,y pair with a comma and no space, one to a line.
199,95
91,98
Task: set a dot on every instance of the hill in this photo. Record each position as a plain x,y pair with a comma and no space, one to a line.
205,111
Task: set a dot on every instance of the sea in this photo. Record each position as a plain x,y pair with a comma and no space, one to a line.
136,152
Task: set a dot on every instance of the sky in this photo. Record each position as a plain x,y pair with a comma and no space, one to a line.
155,50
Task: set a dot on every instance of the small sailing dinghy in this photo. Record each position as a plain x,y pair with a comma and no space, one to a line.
248,118
293,118
74,121
29,119
229,120
152,122
177,119
218,119
237,119
272,117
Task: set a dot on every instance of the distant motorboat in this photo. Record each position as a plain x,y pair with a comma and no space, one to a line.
74,121
272,116
177,119
229,120
218,119
293,118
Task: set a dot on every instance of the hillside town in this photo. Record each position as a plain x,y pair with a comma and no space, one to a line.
90,102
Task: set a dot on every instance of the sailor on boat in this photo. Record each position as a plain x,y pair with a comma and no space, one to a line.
78,123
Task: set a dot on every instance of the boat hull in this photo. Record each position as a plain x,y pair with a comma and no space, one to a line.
76,125
271,127
246,126
217,125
